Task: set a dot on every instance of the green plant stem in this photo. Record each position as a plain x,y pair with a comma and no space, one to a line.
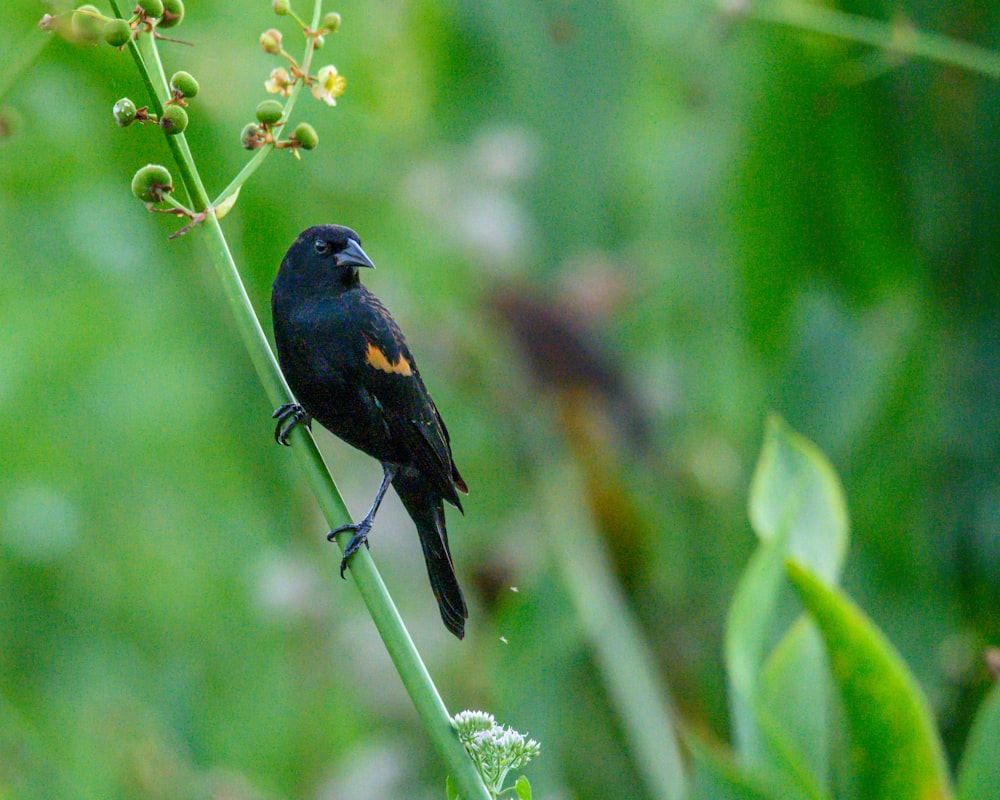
637,692
892,37
376,597
244,174
171,201
295,17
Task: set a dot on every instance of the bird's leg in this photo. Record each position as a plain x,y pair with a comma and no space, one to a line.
289,415
360,529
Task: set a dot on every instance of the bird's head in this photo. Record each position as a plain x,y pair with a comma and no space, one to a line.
326,256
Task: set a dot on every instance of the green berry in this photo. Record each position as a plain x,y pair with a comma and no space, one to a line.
152,8
305,134
332,22
252,136
117,32
124,112
151,183
87,23
173,13
184,83
269,112
281,7
174,120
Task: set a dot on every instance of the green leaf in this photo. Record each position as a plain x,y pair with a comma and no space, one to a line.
779,704
977,776
793,708
895,748
450,789
523,788
747,632
796,495
717,777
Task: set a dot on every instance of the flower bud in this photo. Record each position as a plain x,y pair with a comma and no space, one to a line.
174,120
318,42
269,112
252,136
305,134
332,22
270,40
124,112
281,7
152,8
184,83
87,23
117,32
173,14
151,183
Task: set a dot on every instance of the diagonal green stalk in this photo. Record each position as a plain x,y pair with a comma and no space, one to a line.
635,688
402,651
895,38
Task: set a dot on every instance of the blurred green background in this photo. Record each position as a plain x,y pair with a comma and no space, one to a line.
617,234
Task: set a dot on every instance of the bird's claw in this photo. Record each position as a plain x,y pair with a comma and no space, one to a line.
360,537
289,415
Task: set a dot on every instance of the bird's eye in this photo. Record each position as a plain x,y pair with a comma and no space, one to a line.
322,246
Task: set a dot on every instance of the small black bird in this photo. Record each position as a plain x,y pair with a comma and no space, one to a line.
348,365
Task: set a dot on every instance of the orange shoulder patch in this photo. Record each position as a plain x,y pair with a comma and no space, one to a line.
377,359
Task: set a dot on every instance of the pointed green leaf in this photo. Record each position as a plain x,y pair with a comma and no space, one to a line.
451,790
795,493
747,632
793,709
978,776
523,788
227,205
896,750
797,506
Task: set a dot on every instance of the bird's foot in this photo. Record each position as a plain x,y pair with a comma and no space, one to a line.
360,537
289,415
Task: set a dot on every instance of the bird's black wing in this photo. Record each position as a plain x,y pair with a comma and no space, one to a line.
389,374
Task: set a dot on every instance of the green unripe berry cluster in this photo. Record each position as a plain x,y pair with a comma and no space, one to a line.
151,183
173,13
174,120
117,32
184,84
151,8
87,23
305,134
269,112
252,136
124,112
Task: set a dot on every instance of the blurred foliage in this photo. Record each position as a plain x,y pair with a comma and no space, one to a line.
713,218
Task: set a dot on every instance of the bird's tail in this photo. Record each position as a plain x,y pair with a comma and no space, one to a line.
426,508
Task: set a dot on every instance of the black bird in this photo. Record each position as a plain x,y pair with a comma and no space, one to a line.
348,366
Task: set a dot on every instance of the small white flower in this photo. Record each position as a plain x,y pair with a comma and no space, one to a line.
329,85
280,82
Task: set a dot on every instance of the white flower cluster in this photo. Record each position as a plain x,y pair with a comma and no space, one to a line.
495,749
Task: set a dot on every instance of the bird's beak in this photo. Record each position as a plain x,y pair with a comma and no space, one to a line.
353,256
